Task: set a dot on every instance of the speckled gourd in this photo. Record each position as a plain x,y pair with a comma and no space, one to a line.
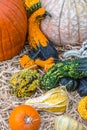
24,82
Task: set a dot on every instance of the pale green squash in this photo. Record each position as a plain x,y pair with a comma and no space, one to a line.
65,122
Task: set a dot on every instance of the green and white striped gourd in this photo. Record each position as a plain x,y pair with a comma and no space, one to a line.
65,122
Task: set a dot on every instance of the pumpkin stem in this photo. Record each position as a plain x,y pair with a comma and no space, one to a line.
28,120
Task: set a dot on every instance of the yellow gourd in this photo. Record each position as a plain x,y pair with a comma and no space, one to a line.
82,108
55,100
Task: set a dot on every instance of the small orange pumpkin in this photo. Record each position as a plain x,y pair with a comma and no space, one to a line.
24,117
13,28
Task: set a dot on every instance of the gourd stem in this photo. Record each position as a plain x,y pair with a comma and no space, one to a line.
28,120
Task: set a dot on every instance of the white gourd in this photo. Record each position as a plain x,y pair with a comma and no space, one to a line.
68,24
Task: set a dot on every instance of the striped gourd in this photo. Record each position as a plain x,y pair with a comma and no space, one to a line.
65,122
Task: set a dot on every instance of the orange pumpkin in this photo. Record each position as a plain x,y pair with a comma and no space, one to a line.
24,117
13,28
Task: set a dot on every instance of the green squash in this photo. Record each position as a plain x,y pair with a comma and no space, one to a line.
70,84
74,69
65,122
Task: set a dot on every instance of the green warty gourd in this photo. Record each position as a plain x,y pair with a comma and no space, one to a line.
75,69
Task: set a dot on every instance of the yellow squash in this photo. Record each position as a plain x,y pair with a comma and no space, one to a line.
55,100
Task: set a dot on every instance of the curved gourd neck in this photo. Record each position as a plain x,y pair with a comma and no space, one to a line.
35,34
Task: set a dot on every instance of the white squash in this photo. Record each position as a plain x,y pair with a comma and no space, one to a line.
68,24
65,122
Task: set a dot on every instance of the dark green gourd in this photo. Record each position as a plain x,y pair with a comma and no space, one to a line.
82,90
69,83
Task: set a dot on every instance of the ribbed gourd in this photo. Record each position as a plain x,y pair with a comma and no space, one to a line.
55,101
25,82
13,28
66,122
76,69
82,108
69,21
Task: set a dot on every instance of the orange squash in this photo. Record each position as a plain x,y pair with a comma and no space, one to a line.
13,28
24,117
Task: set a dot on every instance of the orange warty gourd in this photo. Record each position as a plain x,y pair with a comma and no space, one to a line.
24,117
68,24
13,28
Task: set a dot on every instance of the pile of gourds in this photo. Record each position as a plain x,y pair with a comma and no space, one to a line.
26,117
71,73
67,25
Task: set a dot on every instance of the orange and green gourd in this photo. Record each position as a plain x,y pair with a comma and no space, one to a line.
41,47
32,5
36,36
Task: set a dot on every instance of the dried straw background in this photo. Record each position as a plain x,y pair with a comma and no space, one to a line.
8,101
